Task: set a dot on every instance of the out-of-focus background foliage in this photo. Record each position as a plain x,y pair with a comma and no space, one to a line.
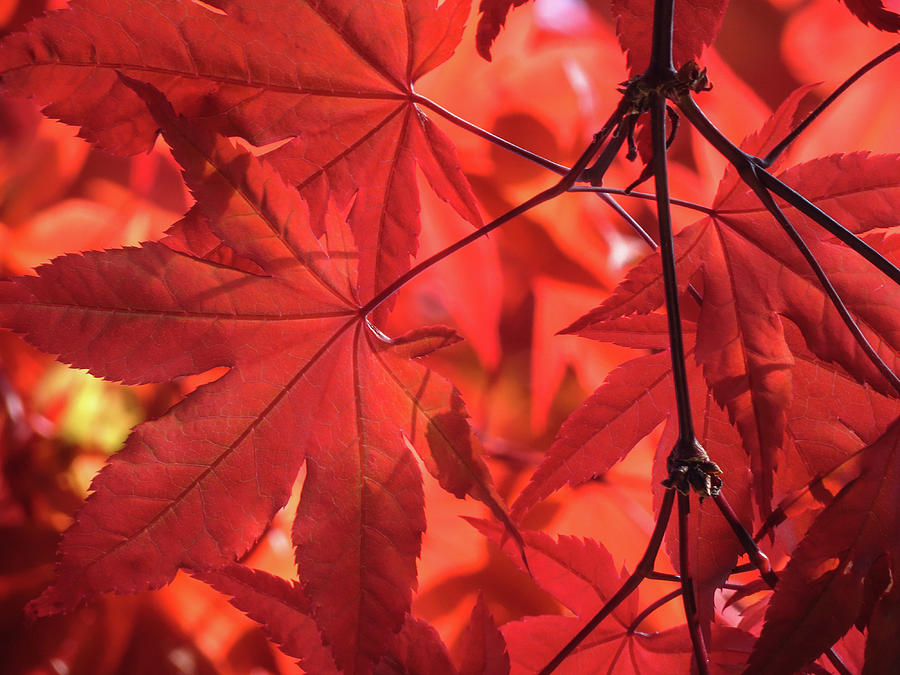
552,83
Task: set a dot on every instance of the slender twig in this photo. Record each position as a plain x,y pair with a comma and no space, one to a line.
644,567
759,559
659,72
817,215
749,167
562,186
664,576
685,443
731,586
595,173
627,217
652,607
782,145
661,68
701,656
488,136
643,195
839,665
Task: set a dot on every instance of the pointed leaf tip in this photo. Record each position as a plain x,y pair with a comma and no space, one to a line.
874,13
493,18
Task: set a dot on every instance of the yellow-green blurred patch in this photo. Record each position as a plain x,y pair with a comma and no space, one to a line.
87,411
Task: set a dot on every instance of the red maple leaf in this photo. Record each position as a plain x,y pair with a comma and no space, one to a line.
581,575
821,592
309,382
319,73
753,278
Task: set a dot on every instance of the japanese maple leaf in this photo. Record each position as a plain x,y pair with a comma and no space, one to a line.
696,25
635,398
821,592
830,418
632,401
581,575
308,381
333,76
752,277
493,18
283,611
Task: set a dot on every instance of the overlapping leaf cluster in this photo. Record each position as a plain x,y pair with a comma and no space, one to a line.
269,281
279,269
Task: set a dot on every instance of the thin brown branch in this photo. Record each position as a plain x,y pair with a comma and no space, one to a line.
782,145
643,195
644,567
562,186
701,656
685,443
652,607
750,168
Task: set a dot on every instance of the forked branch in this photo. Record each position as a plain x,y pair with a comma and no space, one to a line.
642,571
750,169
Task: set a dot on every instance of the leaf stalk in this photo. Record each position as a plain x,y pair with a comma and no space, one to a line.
562,186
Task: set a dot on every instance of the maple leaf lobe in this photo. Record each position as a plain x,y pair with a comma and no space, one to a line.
335,76
873,12
493,18
821,592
